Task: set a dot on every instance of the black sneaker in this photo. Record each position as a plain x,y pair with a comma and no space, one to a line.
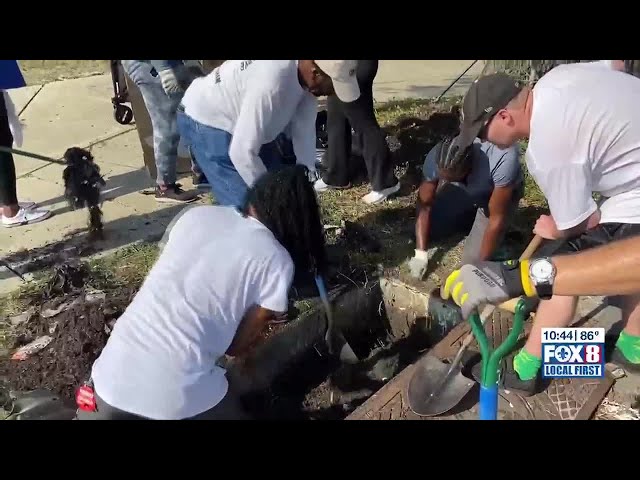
175,194
509,379
620,360
200,180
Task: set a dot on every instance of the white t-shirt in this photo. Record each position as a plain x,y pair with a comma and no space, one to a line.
585,138
255,101
160,359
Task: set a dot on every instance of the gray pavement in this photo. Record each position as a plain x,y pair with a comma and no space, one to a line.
78,112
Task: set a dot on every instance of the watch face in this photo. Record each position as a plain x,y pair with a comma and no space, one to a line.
542,270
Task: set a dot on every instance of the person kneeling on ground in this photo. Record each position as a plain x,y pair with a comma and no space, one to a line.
612,269
231,117
483,185
583,127
161,361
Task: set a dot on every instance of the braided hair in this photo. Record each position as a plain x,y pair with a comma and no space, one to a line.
452,158
285,202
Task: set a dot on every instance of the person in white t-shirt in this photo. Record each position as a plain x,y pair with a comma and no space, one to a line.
161,361
583,127
230,117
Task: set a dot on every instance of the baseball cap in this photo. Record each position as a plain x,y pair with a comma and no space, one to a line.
343,76
486,96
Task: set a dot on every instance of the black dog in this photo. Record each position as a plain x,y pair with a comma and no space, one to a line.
82,182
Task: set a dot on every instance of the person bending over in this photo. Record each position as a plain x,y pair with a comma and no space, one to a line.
359,114
231,117
161,361
583,129
481,187
162,84
612,269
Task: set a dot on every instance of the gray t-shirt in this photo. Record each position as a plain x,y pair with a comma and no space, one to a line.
491,167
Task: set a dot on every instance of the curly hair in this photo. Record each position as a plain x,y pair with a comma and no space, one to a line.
82,182
285,202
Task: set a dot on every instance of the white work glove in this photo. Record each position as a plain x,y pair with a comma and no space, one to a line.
175,80
418,264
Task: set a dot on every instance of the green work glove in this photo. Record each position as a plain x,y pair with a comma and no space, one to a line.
486,282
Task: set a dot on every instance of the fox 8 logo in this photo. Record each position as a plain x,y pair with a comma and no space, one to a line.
590,353
573,360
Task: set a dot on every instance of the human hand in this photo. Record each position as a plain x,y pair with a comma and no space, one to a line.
418,264
175,80
483,282
546,228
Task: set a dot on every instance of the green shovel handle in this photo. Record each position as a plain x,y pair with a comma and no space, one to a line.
491,359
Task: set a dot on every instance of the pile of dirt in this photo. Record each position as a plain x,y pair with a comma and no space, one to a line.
75,329
416,136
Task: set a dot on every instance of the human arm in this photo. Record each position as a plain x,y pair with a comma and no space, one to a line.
303,132
256,113
424,202
173,74
426,195
612,269
249,330
272,283
499,204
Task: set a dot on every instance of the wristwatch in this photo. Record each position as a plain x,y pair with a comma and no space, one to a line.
542,272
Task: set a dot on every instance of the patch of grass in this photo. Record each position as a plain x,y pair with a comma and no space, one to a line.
390,112
124,268
37,72
127,267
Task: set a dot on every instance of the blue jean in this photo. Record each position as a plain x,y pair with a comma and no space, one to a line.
210,148
162,110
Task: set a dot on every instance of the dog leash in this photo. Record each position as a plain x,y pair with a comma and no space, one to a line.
37,156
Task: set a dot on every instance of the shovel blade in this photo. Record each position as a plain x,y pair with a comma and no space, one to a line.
434,389
337,343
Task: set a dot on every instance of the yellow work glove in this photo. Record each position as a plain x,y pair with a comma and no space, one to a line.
487,282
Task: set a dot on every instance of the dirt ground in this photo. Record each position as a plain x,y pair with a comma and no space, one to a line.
363,241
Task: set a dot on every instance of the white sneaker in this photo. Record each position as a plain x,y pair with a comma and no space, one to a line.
25,217
374,197
27,205
320,186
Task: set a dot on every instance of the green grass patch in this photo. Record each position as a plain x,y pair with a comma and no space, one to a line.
126,267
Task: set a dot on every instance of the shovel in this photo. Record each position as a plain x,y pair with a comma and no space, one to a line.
334,338
437,387
491,360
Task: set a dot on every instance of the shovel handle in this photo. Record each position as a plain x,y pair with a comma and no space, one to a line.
491,359
531,248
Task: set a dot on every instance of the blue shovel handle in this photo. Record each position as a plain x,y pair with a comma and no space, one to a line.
491,359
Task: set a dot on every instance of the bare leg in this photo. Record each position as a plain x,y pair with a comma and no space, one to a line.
553,313
631,312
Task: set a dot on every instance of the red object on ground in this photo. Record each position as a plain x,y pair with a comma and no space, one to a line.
86,399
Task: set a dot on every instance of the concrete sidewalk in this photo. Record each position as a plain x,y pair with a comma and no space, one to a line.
78,112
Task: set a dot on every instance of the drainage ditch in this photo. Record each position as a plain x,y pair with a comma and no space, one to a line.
294,377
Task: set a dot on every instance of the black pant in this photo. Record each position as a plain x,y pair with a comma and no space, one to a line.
8,194
360,115
598,236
